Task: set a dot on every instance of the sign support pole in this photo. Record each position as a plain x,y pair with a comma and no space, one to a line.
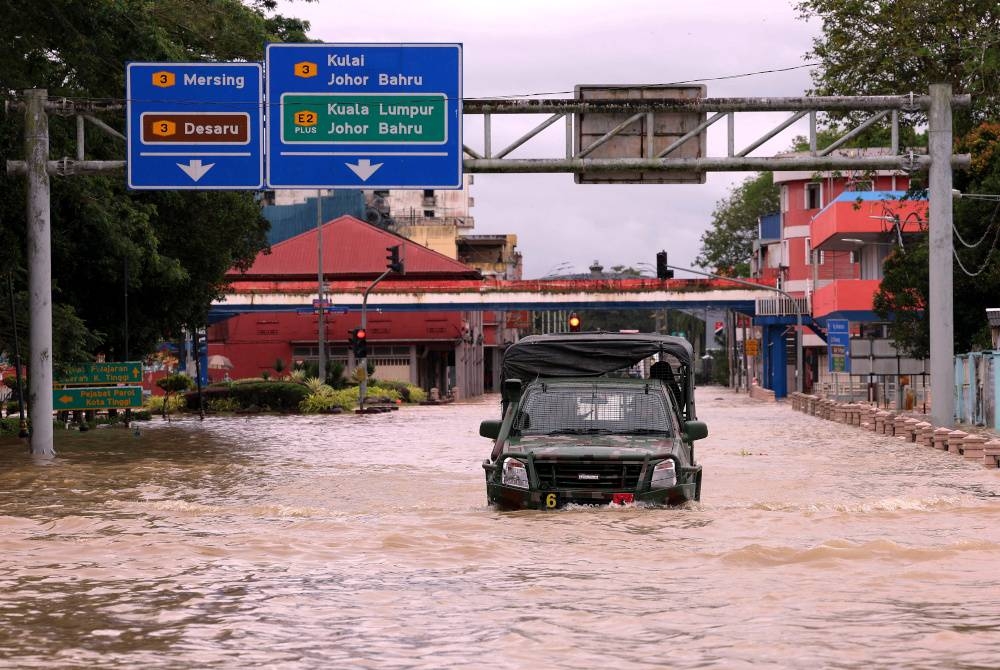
321,321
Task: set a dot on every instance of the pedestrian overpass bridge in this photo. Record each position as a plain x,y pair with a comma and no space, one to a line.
408,295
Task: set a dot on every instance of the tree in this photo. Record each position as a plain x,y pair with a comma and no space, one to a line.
893,48
176,383
728,245
167,250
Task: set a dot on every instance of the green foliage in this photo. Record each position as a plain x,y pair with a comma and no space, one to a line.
892,48
727,246
222,405
415,394
326,398
267,395
164,404
405,391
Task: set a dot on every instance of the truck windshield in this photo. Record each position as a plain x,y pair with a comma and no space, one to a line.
594,409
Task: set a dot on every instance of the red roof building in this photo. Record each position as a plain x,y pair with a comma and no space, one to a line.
442,350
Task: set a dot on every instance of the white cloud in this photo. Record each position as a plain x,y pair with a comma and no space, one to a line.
519,47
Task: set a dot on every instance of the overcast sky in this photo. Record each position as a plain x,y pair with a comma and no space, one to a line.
513,48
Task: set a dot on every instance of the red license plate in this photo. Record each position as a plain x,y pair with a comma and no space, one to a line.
622,498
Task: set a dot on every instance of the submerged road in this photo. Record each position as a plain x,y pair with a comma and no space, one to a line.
365,542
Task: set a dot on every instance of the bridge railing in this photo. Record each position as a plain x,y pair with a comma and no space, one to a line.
782,306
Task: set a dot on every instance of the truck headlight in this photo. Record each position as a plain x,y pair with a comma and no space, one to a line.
514,474
664,475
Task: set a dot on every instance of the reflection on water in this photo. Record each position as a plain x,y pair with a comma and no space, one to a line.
365,542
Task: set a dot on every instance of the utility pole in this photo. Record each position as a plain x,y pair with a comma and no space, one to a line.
36,152
36,167
940,310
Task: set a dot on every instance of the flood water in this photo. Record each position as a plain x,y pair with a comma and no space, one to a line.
365,542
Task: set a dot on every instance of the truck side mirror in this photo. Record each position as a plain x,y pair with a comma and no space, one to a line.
695,430
490,429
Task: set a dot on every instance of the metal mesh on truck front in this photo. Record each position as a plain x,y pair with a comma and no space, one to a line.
593,409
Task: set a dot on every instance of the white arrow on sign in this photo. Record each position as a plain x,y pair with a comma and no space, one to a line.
195,169
364,168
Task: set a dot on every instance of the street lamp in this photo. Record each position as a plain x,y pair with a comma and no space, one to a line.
798,315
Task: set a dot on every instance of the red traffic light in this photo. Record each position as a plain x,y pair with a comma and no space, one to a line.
359,334
574,323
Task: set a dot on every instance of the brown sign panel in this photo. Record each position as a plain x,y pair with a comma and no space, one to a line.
195,128
645,137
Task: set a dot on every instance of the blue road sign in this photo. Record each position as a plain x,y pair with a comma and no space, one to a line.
838,342
364,116
195,126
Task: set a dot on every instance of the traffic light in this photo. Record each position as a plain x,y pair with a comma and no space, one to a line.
663,271
574,323
393,261
359,342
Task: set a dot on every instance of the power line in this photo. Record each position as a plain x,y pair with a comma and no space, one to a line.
671,83
491,97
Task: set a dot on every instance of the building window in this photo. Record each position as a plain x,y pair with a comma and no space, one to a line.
428,213
809,250
784,198
814,195
428,193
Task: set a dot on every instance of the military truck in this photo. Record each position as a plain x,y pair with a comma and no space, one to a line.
576,428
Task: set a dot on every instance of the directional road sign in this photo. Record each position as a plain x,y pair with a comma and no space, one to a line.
364,116
838,341
195,126
102,373
98,397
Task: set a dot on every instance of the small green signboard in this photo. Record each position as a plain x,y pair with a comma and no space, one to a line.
102,373
364,118
100,397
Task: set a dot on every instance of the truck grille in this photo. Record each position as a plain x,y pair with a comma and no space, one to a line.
595,476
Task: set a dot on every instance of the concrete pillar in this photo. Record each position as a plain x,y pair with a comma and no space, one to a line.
941,438
973,447
955,438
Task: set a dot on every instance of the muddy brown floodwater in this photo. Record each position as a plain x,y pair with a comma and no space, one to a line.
366,542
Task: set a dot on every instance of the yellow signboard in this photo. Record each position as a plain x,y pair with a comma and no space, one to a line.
751,347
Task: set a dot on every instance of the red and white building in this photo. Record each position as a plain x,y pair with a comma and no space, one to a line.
827,245
432,349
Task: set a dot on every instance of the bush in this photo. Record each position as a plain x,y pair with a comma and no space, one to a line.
380,392
407,392
326,398
10,425
154,403
254,394
222,404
